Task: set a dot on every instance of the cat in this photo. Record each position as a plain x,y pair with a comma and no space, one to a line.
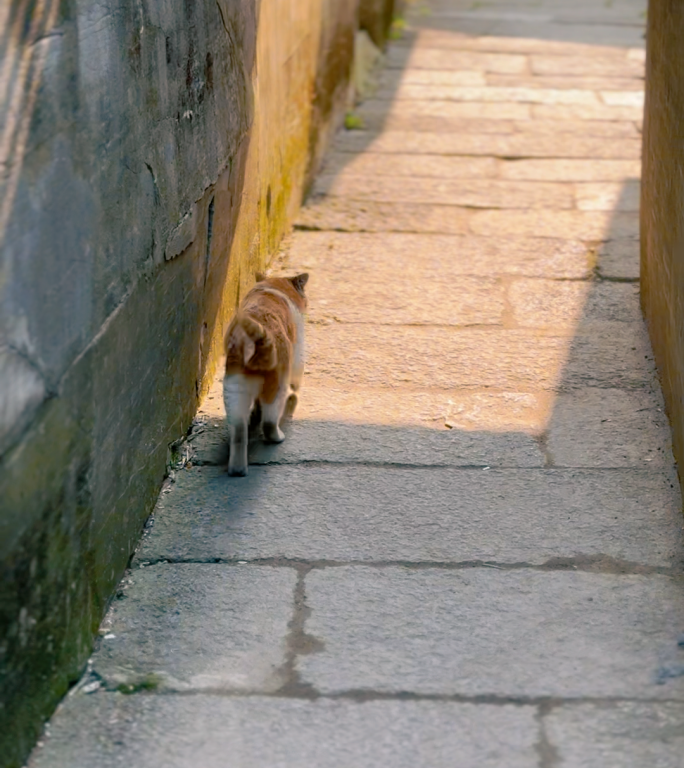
264,348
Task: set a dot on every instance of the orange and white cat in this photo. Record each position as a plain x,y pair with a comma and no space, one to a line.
264,361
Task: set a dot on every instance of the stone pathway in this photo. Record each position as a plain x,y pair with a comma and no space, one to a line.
468,551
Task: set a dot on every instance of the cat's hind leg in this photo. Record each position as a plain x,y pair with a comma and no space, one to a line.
239,395
290,406
272,413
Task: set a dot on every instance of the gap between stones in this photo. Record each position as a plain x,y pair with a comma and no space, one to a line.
452,467
600,563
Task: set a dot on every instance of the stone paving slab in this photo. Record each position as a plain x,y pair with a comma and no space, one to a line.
495,112
370,216
458,300
573,225
344,253
609,428
465,410
345,513
339,442
376,165
455,77
587,112
490,632
198,626
446,39
528,95
586,428
467,117
565,82
213,732
608,196
395,80
624,734
499,145
619,258
613,355
420,300
523,35
418,57
594,66
580,305
569,170
474,193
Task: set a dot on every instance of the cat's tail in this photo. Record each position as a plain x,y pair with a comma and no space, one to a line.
258,350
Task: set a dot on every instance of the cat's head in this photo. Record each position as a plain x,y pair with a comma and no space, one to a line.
293,287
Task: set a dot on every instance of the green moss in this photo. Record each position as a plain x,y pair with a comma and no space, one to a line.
353,122
148,683
396,31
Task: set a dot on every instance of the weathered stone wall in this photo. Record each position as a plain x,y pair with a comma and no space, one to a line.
662,205
375,17
153,154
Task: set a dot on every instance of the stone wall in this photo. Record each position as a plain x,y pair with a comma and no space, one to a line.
662,205
154,152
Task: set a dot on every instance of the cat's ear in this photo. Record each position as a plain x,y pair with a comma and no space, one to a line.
259,276
248,350
299,282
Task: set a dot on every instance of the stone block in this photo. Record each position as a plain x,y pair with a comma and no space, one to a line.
369,216
615,98
443,59
380,115
592,83
186,731
608,196
471,193
571,170
629,734
393,79
612,355
507,146
511,94
573,225
190,626
370,296
593,66
520,633
522,43
587,112
619,258
495,113
335,441
557,304
606,128
617,35
464,411
379,514
342,253
376,165
609,428
467,117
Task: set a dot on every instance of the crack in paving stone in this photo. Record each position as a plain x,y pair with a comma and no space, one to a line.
298,642
543,443
548,754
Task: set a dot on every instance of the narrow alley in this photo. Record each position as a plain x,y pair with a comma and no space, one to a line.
468,551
